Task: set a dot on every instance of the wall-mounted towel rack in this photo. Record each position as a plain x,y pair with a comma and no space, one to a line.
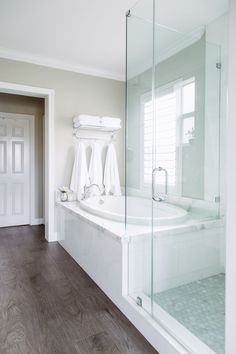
112,138
91,135
95,128
99,128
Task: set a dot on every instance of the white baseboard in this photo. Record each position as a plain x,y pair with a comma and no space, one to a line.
52,238
36,221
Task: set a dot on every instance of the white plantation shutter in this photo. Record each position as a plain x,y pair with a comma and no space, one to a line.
147,143
174,127
164,152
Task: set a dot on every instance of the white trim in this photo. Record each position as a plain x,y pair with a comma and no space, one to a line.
32,169
231,189
37,221
26,57
54,237
48,95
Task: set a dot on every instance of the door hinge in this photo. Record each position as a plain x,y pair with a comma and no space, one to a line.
218,65
128,13
139,301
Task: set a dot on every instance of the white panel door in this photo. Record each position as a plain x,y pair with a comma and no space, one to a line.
14,172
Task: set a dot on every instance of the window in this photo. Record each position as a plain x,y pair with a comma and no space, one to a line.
188,111
173,126
189,97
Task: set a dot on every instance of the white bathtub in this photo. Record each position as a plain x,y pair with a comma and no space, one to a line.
139,210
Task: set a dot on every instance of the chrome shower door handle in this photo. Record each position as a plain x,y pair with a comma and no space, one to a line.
154,172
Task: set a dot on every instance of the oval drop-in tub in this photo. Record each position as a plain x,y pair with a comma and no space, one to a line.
139,210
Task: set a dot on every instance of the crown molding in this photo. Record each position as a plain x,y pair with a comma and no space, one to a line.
26,57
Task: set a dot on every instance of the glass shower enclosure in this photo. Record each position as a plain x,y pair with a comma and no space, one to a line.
174,213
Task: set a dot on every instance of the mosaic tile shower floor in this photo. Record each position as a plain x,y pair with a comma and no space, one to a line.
200,307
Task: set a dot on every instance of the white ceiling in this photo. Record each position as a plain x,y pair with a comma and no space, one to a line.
86,35
182,15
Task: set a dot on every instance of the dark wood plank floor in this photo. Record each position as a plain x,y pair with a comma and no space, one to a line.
48,304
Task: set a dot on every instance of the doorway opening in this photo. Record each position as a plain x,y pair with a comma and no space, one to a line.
22,160
27,157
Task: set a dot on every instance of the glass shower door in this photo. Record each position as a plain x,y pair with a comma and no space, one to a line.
188,270
174,226
139,172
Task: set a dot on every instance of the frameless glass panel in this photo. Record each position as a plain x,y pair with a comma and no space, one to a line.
139,146
175,190
188,130
189,98
188,272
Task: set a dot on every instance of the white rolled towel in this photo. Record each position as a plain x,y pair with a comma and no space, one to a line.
111,122
85,119
96,170
80,176
111,173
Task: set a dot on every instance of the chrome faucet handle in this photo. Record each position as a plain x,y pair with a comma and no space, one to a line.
159,199
87,188
95,185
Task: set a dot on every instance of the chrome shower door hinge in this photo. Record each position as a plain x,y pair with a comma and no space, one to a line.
139,301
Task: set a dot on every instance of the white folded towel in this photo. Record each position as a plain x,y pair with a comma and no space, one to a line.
80,176
111,174
111,122
95,170
85,119
90,124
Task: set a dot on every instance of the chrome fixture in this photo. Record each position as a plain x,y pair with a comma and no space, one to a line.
87,189
139,301
128,13
154,172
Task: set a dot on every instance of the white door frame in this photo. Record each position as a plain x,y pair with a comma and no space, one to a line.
49,174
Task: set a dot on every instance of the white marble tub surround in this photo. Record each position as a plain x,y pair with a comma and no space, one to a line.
104,259
112,228
178,257
110,254
103,254
118,229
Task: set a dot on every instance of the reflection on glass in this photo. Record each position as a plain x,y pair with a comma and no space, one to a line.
189,98
173,122
188,130
173,104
